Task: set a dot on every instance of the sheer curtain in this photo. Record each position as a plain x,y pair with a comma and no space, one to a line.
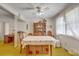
72,22
68,24
60,25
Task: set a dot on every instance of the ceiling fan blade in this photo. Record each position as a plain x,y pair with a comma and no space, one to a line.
45,8
27,8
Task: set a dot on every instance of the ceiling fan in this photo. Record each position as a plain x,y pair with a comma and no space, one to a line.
39,9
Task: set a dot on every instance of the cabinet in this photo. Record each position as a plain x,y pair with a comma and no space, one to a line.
8,38
39,28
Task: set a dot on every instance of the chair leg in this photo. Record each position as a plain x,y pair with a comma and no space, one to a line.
20,48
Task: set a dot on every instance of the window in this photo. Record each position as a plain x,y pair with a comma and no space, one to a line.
60,25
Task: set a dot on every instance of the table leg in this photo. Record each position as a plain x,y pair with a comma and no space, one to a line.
50,50
27,48
42,48
20,48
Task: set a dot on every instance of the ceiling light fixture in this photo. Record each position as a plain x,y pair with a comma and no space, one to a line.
39,13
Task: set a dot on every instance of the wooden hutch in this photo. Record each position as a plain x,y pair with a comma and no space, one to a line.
39,28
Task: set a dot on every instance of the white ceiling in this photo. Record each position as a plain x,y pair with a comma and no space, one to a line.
53,9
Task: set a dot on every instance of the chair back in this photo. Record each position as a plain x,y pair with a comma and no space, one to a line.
40,33
21,35
30,34
49,33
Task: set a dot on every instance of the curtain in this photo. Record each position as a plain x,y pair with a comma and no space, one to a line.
72,22
68,24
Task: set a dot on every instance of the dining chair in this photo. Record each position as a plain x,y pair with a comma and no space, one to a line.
29,50
49,33
21,36
30,34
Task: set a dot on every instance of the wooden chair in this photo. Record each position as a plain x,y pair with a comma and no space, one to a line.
21,36
38,33
49,33
30,34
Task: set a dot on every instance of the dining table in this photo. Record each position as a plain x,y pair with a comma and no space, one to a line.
41,40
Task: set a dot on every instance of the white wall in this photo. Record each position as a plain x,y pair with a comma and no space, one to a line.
50,25
21,26
7,20
69,43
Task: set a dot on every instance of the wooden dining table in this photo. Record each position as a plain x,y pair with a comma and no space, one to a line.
39,40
